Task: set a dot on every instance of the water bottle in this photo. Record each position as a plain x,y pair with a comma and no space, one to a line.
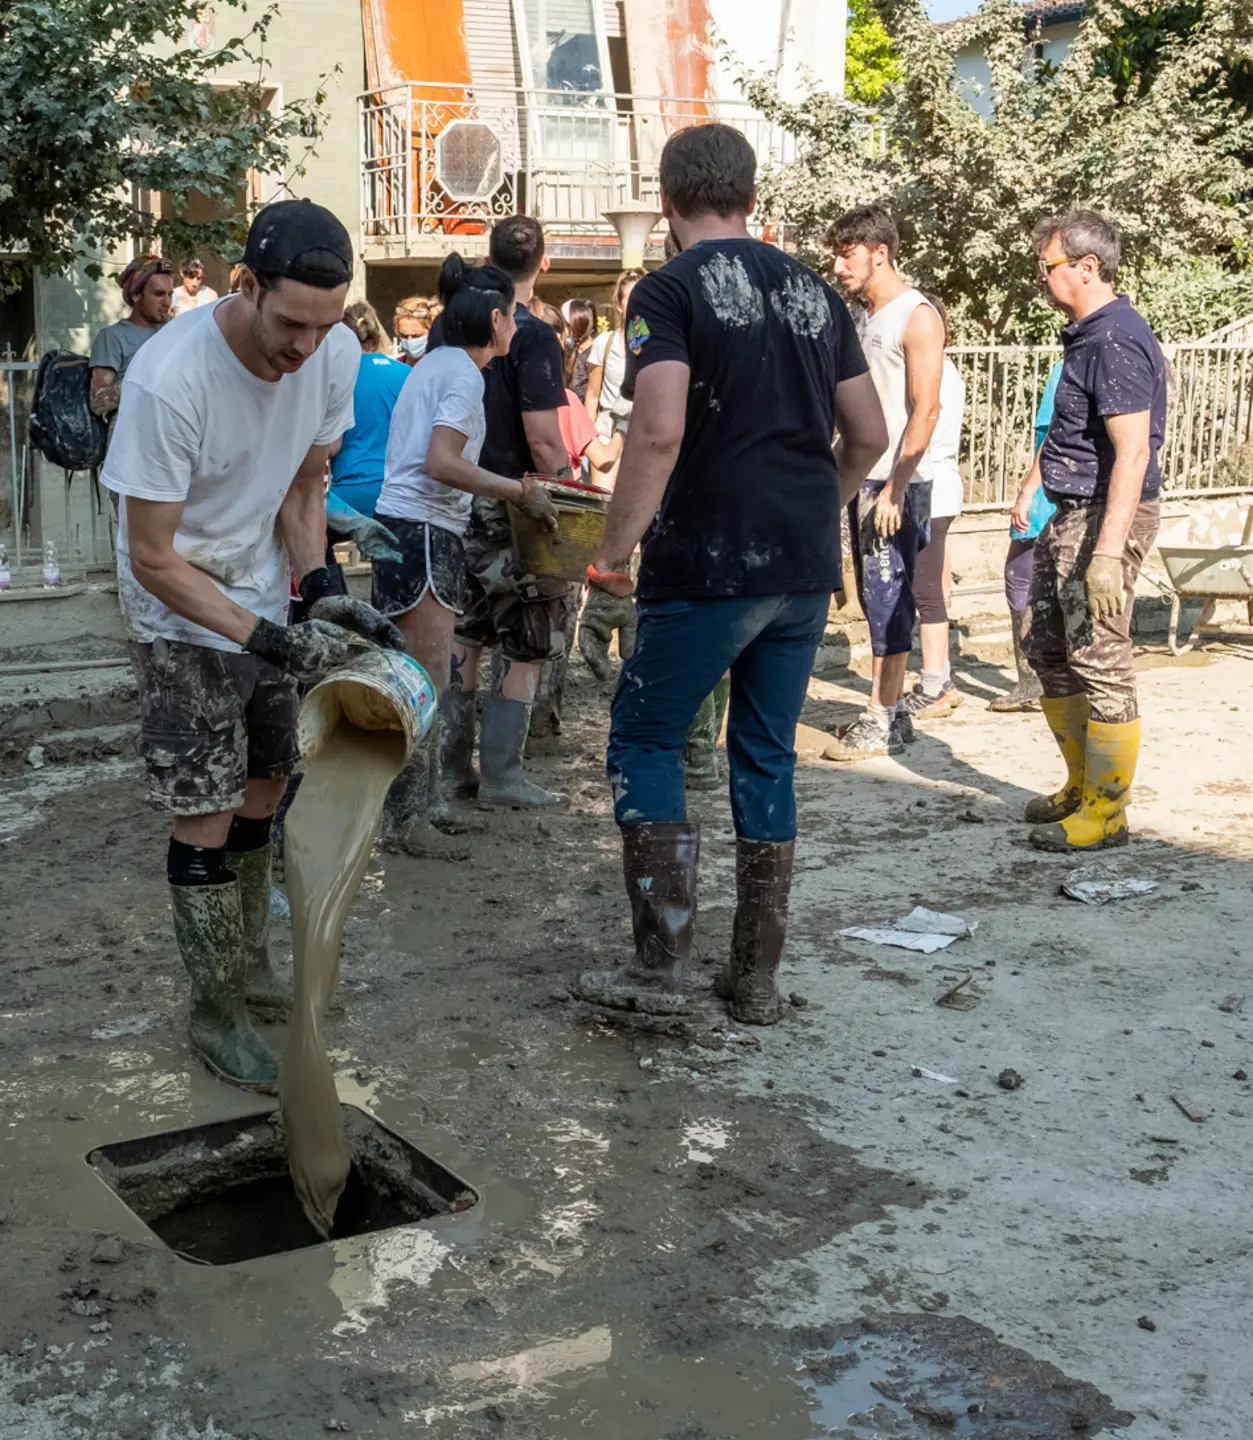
6,575
52,570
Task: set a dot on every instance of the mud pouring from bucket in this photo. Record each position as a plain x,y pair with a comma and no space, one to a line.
357,728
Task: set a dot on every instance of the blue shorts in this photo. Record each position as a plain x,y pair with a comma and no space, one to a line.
885,565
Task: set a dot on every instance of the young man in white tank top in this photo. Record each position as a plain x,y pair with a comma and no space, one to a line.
903,340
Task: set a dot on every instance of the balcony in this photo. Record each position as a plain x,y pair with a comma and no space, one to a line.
440,164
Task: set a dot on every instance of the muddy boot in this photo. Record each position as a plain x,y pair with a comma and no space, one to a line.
459,780
268,997
1027,691
209,931
659,862
407,827
1068,720
763,881
1100,821
501,742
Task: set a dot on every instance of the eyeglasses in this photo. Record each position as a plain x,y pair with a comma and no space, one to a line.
1046,267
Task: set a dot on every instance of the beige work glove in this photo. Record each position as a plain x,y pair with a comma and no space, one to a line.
536,503
1103,583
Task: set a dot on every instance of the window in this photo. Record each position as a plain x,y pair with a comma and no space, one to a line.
563,45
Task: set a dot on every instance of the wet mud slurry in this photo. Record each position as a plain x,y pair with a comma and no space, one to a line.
330,831
701,1236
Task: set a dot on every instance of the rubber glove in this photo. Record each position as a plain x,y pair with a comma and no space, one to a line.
537,503
371,537
603,613
1103,583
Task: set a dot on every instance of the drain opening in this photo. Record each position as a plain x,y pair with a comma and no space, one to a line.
219,1194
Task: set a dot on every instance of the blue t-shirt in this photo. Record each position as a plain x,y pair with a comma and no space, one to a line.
1042,508
357,471
1112,365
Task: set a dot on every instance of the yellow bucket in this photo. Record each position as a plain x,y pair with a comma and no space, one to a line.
565,555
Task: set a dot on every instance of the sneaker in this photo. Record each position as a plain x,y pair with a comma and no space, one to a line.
902,730
864,740
932,707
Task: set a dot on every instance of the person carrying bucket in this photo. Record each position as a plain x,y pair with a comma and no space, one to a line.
218,458
734,574
430,478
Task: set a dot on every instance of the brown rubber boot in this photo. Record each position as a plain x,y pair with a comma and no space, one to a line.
659,864
763,881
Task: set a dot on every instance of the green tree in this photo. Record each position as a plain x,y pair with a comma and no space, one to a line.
102,99
1164,164
870,64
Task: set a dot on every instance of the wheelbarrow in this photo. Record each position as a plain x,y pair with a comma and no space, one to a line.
1209,560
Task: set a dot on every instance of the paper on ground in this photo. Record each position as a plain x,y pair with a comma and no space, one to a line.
934,922
1097,885
902,939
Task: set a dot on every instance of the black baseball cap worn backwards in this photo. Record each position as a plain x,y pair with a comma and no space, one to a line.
298,240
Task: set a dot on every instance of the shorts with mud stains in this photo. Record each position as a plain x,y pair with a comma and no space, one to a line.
524,614
210,721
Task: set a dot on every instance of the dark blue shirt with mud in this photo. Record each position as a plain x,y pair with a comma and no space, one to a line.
1112,365
752,506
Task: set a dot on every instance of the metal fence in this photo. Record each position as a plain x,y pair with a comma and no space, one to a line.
445,160
39,502
1209,426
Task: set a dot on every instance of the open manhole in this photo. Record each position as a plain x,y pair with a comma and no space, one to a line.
221,1193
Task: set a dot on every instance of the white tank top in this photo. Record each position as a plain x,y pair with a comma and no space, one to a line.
883,340
946,478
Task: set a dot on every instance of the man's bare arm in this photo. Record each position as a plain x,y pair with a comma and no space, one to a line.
301,523
151,526
652,447
923,344
548,449
105,394
863,432
1132,451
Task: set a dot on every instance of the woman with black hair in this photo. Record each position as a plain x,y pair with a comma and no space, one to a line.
431,474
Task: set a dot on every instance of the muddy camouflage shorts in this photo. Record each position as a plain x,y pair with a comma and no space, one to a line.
525,615
210,721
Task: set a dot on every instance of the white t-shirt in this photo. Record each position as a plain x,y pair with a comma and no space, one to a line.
446,388
946,479
181,302
609,350
195,425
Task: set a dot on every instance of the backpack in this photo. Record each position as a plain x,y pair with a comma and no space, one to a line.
62,426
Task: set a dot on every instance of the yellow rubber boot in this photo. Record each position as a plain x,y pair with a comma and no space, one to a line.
1100,823
1068,720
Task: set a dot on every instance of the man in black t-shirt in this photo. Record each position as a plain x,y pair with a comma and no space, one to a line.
522,614
1099,466
742,363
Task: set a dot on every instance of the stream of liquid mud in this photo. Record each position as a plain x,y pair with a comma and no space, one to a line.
330,829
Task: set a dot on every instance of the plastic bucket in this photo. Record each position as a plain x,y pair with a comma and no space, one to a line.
564,556
375,690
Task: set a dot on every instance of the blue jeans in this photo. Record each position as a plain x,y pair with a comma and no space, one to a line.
768,642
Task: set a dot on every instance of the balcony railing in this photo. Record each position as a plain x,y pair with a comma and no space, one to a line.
446,161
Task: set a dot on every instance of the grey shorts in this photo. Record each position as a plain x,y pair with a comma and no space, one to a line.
210,721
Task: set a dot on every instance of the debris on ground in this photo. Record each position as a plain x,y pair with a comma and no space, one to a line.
923,930
920,1072
1145,1323
959,996
1189,1107
1231,1005
1098,885
1009,1080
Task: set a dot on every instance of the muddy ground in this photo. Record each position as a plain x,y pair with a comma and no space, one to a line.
842,1226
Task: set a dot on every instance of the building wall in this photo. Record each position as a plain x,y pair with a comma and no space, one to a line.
974,79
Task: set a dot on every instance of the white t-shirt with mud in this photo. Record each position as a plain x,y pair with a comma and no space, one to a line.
946,478
609,351
196,426
882,338
444,388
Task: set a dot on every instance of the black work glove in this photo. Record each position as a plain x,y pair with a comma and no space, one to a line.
318,584
307,651
361,619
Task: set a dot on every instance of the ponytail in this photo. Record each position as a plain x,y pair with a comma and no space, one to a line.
470,295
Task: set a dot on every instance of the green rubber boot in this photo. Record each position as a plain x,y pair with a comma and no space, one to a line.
700,756
268,997
209,931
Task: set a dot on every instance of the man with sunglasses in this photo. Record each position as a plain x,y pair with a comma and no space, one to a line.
1099,466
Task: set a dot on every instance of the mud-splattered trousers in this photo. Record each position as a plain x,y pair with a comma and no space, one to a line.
885,564
683,648
1070,652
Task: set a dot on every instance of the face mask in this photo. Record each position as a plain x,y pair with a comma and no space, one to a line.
413,345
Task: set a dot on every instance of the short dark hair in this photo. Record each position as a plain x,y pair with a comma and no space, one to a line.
193,266
517,246
1082,232
868,225
470,294
708,170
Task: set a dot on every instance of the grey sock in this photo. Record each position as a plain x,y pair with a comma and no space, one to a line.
933,683
948,673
